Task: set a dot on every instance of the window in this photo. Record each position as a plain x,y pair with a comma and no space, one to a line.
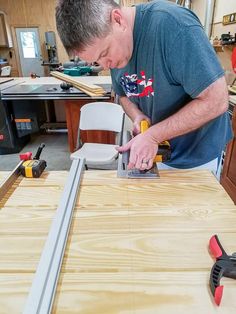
28,44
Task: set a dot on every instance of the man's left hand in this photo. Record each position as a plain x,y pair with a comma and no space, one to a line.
143,149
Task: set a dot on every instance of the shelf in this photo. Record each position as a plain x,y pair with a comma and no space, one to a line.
5,36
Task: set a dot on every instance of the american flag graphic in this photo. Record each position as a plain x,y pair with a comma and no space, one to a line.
130,85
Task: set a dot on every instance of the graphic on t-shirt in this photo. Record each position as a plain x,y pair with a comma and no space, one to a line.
130,85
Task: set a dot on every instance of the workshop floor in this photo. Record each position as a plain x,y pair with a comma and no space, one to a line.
56,153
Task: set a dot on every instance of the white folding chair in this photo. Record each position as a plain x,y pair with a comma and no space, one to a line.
6,71
105,116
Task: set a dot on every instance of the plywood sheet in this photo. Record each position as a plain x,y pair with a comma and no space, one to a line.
135,246
141,252
33,221
141,293
125,194
14,289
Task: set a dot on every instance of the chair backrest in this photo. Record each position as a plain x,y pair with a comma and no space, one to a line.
105,116
6,71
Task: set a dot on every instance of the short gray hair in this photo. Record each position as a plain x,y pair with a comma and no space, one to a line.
79,22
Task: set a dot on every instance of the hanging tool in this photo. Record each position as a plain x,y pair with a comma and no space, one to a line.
225,266
33,168
163,154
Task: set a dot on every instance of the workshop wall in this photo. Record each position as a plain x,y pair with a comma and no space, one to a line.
218,28
221,9
30,13
40,13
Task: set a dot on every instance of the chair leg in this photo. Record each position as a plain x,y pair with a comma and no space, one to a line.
233,82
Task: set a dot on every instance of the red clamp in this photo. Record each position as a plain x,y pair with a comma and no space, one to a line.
26,156
225,266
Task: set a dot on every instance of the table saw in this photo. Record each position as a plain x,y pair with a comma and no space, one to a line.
44,92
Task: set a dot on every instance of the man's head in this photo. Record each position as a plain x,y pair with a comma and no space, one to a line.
96,30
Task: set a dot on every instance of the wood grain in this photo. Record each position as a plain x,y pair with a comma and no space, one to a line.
135,246
141,252
141,293
14,289
148,252
121,196
106,293
36,221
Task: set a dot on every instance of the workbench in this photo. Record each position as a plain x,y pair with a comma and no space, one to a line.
135,246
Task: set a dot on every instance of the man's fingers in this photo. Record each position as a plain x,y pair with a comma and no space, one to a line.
132,160
142,163
150,163
123,148
145,164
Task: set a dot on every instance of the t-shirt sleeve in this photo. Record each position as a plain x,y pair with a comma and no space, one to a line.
193,61
116,86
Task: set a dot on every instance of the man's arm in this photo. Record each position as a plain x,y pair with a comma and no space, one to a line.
209,104
134,113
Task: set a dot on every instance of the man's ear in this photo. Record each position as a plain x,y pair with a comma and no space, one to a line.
117,18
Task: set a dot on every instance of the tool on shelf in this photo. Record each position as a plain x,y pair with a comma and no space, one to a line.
225,266
66,86
32,168
33,75
163,154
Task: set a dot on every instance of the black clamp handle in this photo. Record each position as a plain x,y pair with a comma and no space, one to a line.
39,151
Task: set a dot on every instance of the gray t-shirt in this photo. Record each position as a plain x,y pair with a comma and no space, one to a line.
171,64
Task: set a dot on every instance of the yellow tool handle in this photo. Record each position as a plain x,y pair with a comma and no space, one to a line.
144,125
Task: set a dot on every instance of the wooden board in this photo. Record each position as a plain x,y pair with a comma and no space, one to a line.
135,246
141,293
90,89
6,79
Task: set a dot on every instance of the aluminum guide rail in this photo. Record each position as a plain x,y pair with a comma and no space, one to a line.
41,295
10,179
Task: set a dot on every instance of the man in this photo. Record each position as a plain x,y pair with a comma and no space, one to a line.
163,69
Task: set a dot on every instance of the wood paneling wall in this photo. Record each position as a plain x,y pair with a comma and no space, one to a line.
218,29
129,3
30,13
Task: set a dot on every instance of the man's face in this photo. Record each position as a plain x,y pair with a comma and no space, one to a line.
112,51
